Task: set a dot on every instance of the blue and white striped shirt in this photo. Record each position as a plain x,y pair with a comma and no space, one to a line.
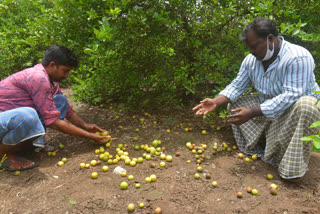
287,79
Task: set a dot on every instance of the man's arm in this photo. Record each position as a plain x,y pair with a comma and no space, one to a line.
238,85
230,93
67,128
76,120
240,116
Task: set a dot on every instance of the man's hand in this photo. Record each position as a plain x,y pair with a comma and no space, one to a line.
242,115
99,138
93,128
89,132
207,105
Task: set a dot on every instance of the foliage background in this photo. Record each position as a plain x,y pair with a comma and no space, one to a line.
146,53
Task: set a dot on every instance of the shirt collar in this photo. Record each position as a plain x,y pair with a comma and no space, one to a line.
41,67
282,48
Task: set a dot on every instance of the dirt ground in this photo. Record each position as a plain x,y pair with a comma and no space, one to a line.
69,189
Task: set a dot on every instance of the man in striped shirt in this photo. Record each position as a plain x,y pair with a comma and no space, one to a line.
271,123
31,100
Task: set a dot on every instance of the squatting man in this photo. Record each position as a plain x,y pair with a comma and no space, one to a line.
30,101
271,123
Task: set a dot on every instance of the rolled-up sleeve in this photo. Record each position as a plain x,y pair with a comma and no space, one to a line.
236,88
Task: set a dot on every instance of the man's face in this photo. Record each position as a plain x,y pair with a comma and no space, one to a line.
256,45
59,72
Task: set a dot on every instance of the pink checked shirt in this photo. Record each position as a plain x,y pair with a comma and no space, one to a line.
31,88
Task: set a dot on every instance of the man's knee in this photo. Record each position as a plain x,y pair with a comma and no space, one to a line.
60,98
20,124
61,103
27,114
306,104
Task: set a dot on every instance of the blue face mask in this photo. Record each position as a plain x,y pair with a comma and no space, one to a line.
269,53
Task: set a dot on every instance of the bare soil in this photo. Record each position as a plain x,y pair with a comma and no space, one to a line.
70,189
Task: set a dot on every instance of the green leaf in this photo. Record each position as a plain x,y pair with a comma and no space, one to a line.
72,202
308,138
2,160
283,27
296,31
88,50
315,124
303,24
316,143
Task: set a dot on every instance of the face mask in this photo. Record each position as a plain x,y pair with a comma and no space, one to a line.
269,53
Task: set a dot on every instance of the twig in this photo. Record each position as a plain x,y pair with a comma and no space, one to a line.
4,202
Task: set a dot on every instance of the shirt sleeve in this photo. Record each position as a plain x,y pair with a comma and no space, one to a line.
40,92
297,76
236,88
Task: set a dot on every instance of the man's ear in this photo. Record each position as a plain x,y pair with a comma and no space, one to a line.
271,37
52,64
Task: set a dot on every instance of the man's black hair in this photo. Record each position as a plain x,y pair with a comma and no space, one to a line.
60,55
261,26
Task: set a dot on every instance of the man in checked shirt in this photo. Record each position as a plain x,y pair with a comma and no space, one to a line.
271,123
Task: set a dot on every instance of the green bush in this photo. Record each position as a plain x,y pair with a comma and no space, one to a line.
147,53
